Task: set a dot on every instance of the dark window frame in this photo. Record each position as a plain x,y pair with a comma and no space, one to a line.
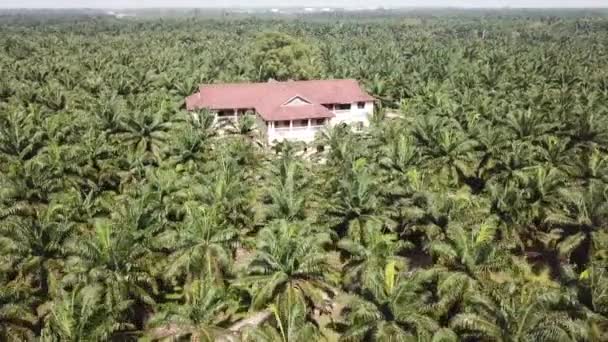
300,123
278,125
225,113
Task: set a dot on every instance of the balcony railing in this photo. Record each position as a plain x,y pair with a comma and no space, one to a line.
304,133
298,128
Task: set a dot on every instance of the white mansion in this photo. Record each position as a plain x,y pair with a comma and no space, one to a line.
292,110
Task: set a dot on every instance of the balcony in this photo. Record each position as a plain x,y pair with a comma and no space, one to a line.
304,133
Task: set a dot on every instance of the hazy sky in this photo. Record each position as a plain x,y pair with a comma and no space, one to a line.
277,3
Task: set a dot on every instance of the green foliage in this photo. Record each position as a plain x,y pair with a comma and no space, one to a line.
201,309
80,316
281,57
290,321
289,256
473,209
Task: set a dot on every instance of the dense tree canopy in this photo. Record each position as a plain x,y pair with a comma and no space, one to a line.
280,57
474,208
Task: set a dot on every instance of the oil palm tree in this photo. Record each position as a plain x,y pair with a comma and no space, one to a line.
18,322
34,248
367,258
595,288
229,191
20,135
540,188
588,125
108,110
289,255
583,212
145,133
472,252
27,188
246,126
290,321
400,155
399,313
356,200
96,162
79,315
543,314
191,147
525,124
201,312
453,153
199,246
556,152
590,165
116,260
288,190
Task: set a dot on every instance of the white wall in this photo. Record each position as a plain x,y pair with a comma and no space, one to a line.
354,115
307,134
298,134
302,133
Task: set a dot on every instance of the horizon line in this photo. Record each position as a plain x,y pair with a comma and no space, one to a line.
369,8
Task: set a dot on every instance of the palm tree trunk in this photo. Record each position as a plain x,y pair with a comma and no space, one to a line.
44,281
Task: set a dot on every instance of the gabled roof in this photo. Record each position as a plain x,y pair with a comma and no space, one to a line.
296,100
269,99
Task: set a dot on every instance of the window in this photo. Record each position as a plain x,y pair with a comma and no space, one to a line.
300,123
344,106
281,124
319,122
225,113
360,105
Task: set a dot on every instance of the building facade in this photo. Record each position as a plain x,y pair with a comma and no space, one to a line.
293,110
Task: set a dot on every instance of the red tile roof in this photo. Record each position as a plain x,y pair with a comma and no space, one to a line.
311,111
269,99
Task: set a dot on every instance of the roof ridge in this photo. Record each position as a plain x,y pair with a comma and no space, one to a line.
275,83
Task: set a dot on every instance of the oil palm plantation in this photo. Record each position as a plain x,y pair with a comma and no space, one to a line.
472,208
